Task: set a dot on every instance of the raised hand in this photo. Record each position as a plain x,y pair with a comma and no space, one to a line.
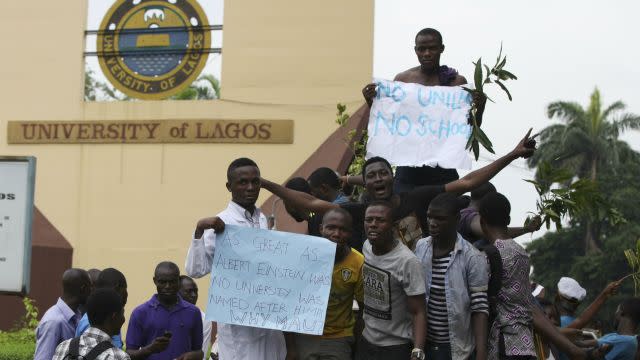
369,92
214,223
527,146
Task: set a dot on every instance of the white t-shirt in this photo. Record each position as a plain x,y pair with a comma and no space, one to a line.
388,280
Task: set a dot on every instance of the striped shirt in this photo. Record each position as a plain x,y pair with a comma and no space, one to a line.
88,340
437,313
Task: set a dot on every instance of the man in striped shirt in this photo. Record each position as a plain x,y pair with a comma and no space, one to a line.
457,277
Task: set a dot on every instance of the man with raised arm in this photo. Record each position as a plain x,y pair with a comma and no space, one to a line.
235,342
410,208
428,48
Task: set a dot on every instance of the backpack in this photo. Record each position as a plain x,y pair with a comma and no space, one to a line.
495,279
74,350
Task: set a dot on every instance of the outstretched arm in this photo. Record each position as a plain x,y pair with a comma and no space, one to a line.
514,232
298,198
595,306
525,148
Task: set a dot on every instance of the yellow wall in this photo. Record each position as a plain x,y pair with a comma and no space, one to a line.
131,206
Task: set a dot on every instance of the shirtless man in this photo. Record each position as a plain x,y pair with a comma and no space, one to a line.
428,49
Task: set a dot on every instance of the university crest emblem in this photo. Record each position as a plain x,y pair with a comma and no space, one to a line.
152,49
346,274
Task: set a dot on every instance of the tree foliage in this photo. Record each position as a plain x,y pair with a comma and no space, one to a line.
562,253
587,144
205,87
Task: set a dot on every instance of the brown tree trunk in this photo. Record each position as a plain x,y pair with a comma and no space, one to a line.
590,242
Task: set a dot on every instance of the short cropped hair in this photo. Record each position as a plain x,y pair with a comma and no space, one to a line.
373,160
495,209
324,176
430,31
481,191
298,184
185,277
383,203
111,278
342,212
167,265
101,304
238,163
631,308
449,202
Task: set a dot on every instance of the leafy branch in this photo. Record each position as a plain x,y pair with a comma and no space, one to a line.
358,146
633,259
580,198
484,75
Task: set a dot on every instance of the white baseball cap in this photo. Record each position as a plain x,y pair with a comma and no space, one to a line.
570,289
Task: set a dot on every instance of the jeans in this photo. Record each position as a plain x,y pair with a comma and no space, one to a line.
407,177
438,351
368,351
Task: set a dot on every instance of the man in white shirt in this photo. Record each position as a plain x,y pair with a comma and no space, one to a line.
235,342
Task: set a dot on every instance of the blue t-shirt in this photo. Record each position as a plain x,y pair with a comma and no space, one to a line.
565,320
83,325
624,347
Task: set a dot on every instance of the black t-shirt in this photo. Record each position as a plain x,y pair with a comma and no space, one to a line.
411,215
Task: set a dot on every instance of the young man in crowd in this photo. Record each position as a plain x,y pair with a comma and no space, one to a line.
394,293
105,311
624,341
236,342
516,311
410,207
165,327
337,339
59,322
457,279
325,184
570,296
469,224
189,293
113,279
428,48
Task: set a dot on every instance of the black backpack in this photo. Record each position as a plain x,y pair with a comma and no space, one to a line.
495,280
74,350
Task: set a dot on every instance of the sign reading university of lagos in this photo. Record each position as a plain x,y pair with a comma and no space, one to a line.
152,49
150,131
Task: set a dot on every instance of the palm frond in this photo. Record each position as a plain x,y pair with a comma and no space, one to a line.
566,111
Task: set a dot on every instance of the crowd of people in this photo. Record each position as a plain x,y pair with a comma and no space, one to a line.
421,271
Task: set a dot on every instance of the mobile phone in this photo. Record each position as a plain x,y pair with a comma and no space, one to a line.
167,333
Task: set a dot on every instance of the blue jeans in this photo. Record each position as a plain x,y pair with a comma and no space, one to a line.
438,351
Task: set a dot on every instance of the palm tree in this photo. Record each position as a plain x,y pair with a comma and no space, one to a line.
205,87
585,142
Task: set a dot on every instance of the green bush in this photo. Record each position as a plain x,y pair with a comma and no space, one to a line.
17,345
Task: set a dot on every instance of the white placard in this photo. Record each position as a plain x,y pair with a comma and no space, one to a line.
416,125
17,179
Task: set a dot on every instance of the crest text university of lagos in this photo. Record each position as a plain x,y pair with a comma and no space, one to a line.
153,49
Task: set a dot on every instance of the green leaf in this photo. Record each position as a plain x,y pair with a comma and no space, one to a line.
509,75
505,89
503,63
499,54
484,140
477,76
476,149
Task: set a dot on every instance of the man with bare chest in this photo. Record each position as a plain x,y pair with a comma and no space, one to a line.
428,48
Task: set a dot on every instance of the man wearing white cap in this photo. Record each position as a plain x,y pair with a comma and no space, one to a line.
570,295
